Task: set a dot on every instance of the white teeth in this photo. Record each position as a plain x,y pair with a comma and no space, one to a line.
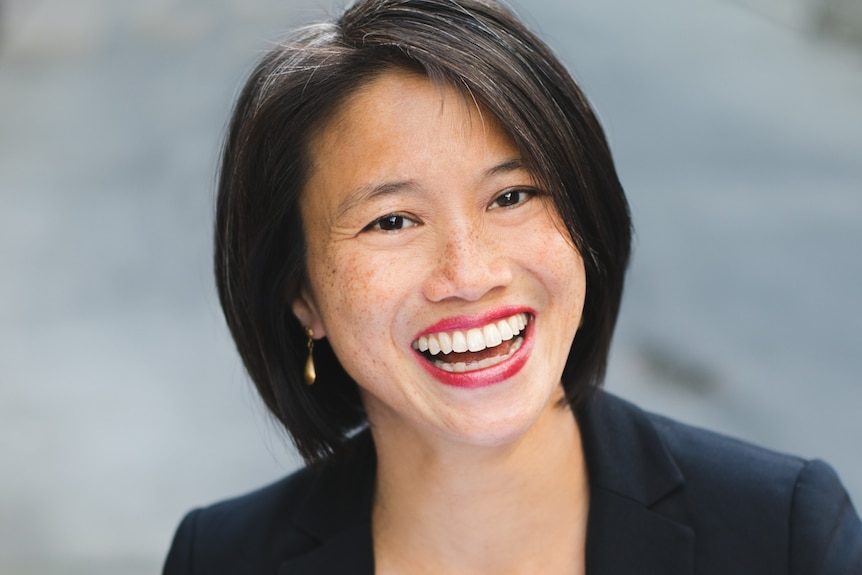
459,342
461,367
433,346
475,339
445,342
505,330
492,335
422,344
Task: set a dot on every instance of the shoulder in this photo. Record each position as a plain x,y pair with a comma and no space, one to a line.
228,536
745,504
628,446
710,458
706,459
798,507
258,532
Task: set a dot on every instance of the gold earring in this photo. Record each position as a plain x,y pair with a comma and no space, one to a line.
310,373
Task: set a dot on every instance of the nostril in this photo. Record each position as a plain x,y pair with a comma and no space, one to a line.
468,264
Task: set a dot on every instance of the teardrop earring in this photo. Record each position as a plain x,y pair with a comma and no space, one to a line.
310,373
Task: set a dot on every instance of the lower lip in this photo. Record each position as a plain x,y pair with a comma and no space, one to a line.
488,375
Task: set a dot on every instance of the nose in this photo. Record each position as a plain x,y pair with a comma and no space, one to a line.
470,262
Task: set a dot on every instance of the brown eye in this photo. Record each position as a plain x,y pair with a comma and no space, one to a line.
391,223
511,198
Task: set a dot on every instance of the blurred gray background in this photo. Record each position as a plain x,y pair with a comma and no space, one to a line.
737,127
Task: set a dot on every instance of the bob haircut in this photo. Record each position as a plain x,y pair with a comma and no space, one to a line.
477,47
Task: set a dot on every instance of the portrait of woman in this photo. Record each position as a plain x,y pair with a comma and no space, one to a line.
421,246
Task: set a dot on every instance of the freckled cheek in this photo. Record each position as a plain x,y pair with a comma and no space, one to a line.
558,265
359,291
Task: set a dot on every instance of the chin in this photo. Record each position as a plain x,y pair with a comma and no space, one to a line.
498,425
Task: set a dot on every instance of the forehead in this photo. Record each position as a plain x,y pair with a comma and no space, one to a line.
401,126
399,101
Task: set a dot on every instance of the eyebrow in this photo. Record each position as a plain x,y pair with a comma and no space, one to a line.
512,165
372,192
368,193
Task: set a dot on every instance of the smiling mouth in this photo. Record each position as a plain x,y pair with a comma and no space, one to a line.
460,351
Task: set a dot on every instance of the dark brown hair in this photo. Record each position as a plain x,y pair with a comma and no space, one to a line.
479,48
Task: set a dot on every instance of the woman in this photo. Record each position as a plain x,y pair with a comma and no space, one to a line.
420,250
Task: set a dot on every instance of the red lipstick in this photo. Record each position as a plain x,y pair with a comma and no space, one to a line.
484,376
465,322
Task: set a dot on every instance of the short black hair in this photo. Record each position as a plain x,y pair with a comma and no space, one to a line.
479,48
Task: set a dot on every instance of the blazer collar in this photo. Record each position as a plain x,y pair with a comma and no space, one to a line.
636,494
636,518
336,513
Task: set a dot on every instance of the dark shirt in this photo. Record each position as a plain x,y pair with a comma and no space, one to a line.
665,499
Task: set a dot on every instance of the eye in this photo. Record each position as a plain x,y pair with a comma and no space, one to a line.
391,223
511,198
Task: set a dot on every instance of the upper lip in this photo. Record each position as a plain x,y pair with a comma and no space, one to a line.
465,322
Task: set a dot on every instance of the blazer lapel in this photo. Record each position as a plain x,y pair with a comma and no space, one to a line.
637,506
349,551
637,515
337,514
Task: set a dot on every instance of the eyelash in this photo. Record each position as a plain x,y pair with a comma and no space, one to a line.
530,193
391,219
396,222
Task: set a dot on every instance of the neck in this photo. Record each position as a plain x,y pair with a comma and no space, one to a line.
454,508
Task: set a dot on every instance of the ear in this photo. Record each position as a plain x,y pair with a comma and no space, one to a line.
305,310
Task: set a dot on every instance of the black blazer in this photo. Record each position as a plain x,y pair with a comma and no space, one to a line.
665,499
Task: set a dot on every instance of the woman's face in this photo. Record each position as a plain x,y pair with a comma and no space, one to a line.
440,273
